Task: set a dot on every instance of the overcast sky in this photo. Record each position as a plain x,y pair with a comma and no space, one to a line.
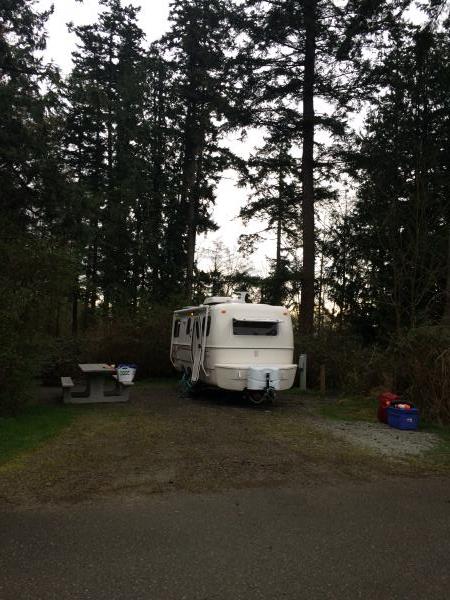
154,21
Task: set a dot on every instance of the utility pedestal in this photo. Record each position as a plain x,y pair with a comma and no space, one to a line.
302,372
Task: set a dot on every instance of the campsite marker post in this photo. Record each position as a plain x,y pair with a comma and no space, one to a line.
302,371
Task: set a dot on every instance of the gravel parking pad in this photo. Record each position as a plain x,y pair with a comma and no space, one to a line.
382,438
162,442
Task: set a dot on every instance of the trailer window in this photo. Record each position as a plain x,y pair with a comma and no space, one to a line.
176,328
255,327
188,326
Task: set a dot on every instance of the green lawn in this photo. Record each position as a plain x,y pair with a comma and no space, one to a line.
350,409
34,425
442,450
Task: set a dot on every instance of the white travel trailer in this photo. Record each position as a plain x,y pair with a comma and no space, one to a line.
230,344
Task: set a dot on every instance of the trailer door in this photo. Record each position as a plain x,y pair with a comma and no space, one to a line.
196,347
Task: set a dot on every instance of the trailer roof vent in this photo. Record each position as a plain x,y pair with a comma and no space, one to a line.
218,300
243,297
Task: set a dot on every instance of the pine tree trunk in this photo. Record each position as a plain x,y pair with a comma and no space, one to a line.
109,118
280,220
195,140
88,284
156,207
93,291
191,242
278,256
321,286
75,312
307,300
191,228
277,290
446,315
343,307
58,319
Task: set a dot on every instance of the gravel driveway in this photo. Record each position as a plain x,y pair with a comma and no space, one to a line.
381,438
162,442
211,499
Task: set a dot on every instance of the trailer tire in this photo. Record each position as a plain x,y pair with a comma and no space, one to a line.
256,397
260,397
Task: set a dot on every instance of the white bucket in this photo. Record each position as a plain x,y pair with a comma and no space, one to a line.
125,373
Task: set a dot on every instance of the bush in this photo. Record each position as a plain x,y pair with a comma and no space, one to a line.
34,276
350,366
144,340
415,364
422,368
62,358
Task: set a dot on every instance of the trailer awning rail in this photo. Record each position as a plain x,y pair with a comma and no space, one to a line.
259,319
190,310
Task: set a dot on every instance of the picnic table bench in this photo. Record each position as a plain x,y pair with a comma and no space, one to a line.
97,375
66,384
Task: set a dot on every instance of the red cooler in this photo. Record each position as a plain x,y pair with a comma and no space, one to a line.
384,401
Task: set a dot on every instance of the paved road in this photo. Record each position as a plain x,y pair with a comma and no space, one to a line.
372,540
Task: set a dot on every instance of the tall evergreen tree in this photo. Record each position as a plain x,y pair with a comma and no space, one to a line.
107,145
29,108
34,201
303,54
271,173
399,226
197,47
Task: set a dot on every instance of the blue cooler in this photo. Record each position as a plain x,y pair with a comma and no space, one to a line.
402,418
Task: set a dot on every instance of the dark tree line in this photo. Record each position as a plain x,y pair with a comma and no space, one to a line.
108,176
143,150
389,255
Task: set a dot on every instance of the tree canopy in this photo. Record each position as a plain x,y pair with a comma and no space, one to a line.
108,176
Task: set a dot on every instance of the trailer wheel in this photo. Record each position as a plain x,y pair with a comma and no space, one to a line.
260,397
256,397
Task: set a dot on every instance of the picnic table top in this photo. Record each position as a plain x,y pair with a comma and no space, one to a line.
97,368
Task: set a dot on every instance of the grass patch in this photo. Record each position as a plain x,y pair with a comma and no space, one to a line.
318,448
441,453
33,426
296,391
365,409
443,431
351,409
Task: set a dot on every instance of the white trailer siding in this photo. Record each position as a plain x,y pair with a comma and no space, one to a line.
228,356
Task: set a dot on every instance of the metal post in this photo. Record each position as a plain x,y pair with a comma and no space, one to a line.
302,371
323,385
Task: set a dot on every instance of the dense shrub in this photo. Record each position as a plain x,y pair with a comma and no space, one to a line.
350,366
62,358
144,340
422,368
34,277
415,364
